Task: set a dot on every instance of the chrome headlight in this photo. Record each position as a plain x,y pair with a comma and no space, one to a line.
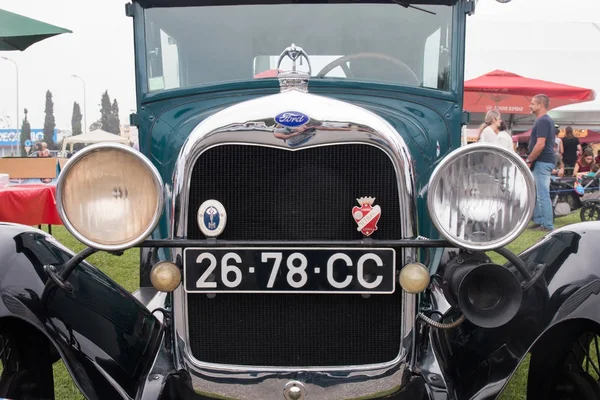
109,196
481,197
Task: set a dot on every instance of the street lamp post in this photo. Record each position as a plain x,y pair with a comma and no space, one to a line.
85,127
9,127
17,70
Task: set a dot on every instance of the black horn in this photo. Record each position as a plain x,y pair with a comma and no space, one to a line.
489,295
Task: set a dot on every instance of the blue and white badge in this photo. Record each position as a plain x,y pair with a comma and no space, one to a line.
292,119
212,218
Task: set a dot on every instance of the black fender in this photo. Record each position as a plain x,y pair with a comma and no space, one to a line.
106,337
479,362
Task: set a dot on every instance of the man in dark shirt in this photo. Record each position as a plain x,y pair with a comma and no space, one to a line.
541,155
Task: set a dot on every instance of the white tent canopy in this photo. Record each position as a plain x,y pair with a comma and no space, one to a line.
97,136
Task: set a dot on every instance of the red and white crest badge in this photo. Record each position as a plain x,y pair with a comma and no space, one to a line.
366,216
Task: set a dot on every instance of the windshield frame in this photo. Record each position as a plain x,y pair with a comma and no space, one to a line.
456,79
189,3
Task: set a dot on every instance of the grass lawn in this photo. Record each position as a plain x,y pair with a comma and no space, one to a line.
124,270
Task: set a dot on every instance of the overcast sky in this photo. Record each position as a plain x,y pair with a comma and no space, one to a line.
545,39
553,40
100,50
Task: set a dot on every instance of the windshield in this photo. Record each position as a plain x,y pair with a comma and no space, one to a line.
193,46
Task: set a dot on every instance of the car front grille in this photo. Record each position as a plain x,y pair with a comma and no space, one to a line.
294,330
275,194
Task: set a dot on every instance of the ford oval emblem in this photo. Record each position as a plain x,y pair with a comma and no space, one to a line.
292,119
212,218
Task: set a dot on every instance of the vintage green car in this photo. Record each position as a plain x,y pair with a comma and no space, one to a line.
310,225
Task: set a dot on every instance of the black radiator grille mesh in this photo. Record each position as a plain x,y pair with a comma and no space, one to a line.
274,194
294,330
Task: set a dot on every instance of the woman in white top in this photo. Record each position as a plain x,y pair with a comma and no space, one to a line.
494,131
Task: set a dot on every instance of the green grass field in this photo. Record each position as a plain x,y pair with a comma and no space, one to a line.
124,270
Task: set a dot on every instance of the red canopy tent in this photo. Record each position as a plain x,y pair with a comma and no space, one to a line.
270,73
589,137
511,93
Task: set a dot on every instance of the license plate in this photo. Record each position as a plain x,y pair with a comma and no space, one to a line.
289,270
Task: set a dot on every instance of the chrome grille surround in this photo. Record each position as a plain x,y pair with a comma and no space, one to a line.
335,123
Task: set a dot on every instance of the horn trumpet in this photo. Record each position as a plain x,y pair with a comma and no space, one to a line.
489,295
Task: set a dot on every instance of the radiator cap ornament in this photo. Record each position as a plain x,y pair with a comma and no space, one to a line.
294,79
366,216
212,218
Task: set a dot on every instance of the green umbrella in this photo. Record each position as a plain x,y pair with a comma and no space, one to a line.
18,32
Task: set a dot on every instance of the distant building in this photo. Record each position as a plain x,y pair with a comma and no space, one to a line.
130,132
9,140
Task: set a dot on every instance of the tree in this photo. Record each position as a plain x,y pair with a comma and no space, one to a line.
96,125
105,111
109,115
76,119
49,123
115,124
25,135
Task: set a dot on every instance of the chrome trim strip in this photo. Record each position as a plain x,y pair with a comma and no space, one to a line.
332,122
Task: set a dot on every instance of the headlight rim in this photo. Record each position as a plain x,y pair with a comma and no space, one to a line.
158,182
519,163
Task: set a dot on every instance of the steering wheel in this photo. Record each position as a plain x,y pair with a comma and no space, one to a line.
341,62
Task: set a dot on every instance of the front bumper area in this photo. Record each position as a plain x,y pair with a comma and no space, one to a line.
314,385
173,376
165,382
179,386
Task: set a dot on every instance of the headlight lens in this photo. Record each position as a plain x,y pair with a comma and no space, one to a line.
109,196
481,197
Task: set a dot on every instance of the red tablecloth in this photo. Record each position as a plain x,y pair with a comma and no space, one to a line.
29,205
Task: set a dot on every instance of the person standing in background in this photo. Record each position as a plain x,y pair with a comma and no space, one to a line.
491,125
571,146
504,139
494,131
542,160
44,152
558,149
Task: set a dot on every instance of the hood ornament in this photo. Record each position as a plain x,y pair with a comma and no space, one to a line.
294,80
